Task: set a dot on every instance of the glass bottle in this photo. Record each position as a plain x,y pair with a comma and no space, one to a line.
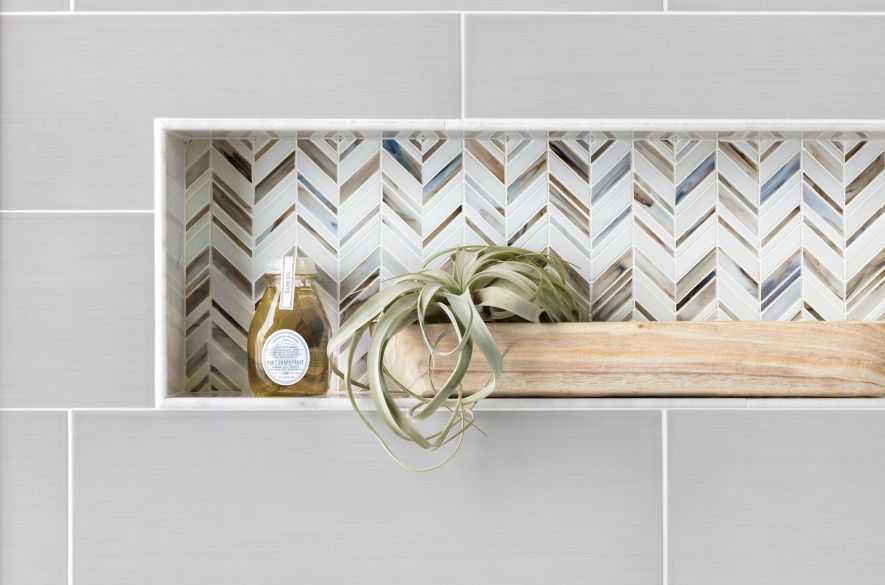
288,335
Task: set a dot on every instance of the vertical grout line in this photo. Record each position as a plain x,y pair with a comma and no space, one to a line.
665,512
70,498
71,7
463,39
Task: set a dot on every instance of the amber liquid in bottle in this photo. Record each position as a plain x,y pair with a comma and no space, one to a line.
275,325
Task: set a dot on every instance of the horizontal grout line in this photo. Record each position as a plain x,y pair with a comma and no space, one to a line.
74,409
76,211
227,404
230,12
668,13
203,407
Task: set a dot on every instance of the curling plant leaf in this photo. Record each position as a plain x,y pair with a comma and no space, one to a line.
478,284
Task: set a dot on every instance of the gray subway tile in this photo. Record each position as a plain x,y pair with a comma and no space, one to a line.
671,66
375,5
310,497
76,302
33,497
34,5
79,95
777,5
776,497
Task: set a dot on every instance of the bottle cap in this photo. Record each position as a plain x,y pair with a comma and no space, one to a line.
274,266
304,265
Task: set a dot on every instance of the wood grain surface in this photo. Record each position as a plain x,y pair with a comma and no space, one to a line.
666,359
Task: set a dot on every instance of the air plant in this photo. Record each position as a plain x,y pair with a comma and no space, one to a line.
479,284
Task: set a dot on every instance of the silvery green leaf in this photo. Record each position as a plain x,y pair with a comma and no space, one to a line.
475,285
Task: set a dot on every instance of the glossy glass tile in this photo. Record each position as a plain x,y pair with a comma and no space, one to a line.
660,226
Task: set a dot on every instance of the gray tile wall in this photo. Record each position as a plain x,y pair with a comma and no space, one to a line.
375,5
776,497
80,93
34,5
673,66
308,497
77,308
166,497
447,5
777,5
33,497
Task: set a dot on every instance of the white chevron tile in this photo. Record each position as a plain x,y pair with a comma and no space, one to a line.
526,178
611,229
675,198
823,241
485,193
664,227
569,206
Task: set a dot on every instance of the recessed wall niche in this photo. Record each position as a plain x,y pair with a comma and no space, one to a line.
718,224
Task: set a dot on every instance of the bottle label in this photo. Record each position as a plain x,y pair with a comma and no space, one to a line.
285,357
287,282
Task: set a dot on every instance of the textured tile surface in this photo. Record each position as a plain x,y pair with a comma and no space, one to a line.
663,227
775,5
375,5
76,303
77,117
33,498
776,497
673,66
310,497
34,5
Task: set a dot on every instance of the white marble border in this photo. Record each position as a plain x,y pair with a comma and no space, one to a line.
520,124
534,404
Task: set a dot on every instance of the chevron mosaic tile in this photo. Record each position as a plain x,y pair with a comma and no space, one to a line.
657,226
